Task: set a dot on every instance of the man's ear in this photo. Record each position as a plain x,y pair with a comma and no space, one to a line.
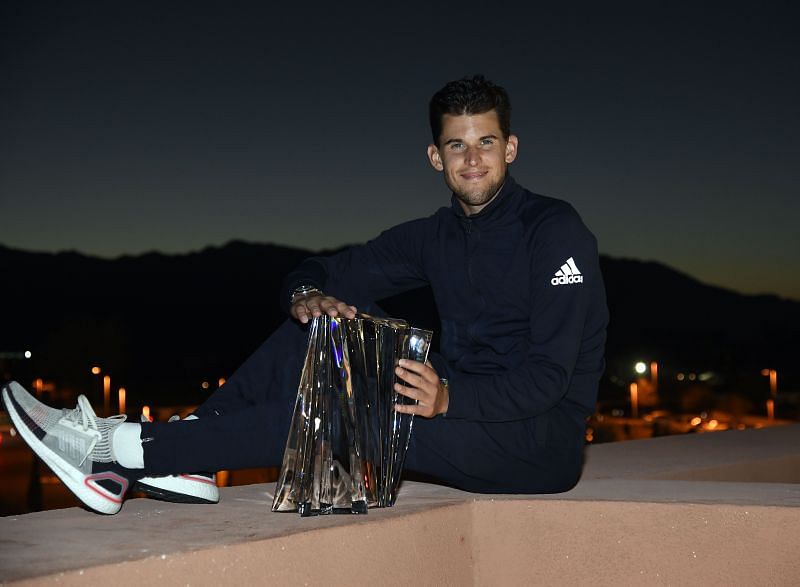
435,158
511,148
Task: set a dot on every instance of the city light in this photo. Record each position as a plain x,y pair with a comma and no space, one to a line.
28,354
107,395
122,394
773,380
640,367
634,400
654,374
95,370
204,385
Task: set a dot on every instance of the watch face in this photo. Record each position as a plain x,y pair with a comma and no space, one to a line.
303,290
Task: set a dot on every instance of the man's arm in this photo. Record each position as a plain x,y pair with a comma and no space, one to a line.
567,334
389,264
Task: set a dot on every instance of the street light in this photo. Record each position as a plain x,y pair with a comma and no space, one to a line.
773,391
654,375
640,367
107,395
634,400
773,381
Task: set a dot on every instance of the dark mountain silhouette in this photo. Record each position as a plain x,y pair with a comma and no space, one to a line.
664,313
164,323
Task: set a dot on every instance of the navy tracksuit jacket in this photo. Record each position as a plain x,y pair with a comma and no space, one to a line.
522,303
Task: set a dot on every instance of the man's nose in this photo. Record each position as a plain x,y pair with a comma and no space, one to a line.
471,156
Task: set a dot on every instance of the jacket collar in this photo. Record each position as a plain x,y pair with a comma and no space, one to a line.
493,209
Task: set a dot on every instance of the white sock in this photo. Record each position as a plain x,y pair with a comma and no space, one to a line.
126,445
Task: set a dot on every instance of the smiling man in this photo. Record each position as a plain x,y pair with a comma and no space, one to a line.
474,156
517,284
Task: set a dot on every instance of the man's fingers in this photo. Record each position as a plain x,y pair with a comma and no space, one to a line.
409,392
411,378
301,314
308,308
416,409
424,370
345,310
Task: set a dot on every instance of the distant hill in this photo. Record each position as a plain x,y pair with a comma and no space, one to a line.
659,312
166,322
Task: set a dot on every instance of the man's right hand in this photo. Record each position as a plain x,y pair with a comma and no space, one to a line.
304,308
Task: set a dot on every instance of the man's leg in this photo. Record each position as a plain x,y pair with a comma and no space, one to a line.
269,376
538,455
244,423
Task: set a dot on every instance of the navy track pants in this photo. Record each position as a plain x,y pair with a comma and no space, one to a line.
245,423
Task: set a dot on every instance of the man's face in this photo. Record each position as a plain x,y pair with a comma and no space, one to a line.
474,156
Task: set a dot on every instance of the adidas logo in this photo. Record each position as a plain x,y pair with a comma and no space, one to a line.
568,273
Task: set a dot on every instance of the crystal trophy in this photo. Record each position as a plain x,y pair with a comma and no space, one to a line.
346,444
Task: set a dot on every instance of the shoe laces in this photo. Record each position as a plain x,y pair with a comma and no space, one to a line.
84,417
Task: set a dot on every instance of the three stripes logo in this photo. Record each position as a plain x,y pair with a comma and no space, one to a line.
568,273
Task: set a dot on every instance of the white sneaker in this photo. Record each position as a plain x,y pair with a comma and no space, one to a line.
194,488
75,444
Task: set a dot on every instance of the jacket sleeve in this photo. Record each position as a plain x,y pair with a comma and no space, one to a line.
567,332
391,263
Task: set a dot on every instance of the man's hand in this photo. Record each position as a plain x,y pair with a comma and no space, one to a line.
305,308
432,395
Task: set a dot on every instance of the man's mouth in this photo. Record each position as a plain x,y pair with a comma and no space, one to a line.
473,175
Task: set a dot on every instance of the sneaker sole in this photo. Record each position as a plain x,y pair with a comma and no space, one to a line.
75,481
173,496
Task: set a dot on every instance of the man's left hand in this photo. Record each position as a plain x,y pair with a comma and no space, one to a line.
432,396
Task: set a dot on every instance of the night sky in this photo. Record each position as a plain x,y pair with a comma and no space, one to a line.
127,127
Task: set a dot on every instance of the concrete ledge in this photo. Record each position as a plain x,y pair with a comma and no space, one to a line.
646,512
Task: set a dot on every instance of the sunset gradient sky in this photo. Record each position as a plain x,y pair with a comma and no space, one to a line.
128,127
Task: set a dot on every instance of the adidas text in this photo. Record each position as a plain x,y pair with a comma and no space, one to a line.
565,279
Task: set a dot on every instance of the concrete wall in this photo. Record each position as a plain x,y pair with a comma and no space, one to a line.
626,523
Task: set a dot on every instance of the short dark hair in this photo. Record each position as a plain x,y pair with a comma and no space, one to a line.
469,95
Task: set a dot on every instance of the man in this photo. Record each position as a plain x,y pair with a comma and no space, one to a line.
517,284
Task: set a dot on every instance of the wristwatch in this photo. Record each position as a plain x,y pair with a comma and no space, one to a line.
446,384
305,291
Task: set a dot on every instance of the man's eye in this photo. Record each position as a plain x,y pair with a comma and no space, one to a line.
487,142
456,146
